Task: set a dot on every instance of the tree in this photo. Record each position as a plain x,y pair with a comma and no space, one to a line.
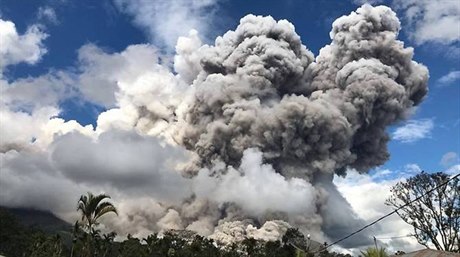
132,247
436,216
105,244
13,236
375,252
46,246
92,208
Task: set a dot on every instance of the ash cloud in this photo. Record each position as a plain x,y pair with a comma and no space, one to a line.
260,87
255,124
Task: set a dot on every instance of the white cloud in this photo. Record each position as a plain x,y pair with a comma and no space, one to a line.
16,48
367,195
28,110
136,171
28,94
454,170
101,73
166,20
20,129
36,130
106,79
123,162
411,169
414,130
47,13
450,78
46,188
126,79
138,164
430,21
57,160
449,159
29,106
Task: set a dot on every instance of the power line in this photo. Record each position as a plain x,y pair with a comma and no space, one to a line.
386,215
393,237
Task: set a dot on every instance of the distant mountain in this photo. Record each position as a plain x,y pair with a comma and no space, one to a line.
43,220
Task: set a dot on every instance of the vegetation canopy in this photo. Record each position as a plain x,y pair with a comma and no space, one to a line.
435,217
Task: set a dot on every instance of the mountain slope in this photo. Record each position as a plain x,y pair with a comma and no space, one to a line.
43,220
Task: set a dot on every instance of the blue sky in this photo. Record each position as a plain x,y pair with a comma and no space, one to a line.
103,24
76,66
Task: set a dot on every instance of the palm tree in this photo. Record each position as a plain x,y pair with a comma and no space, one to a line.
92,208
375,252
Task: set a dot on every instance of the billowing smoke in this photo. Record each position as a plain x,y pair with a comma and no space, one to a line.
259,87
270,125
262,125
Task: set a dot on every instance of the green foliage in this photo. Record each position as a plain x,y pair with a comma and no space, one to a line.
46,246
374,252
12,235
92,208
293,235
87,236
132,248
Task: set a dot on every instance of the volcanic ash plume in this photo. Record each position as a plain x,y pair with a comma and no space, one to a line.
269,125
262,124
260,88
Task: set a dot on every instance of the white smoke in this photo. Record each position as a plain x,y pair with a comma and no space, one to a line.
164,21
294,195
